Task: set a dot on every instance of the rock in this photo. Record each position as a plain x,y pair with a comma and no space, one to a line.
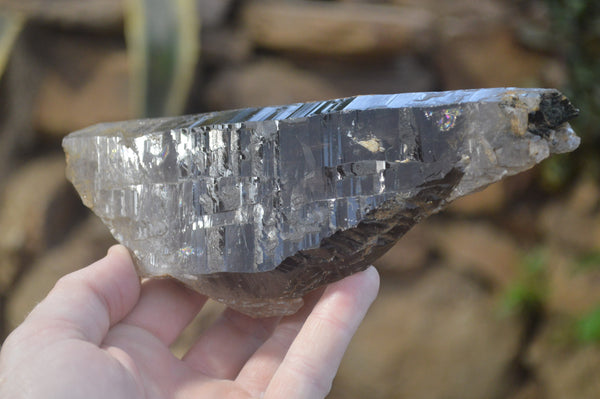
213,13
19,88
429,338
84,245
530,390
245,86
38,209
489,200
335,29
479,249
469,12
93,14
585,197
399,74
472,60
409,253
564,369
520,214
555,73
221,47
94,89
256,207
574,224
572,289
570,230
470,38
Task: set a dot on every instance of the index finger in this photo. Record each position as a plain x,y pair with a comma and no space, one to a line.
311,363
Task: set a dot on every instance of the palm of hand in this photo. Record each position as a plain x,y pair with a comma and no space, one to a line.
99,334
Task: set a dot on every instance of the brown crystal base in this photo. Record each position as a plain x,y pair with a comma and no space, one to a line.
279,292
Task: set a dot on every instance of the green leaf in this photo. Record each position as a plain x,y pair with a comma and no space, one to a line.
163,39
588,327
11,24
529,290
588,261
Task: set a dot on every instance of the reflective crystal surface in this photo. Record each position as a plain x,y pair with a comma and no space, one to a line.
256,207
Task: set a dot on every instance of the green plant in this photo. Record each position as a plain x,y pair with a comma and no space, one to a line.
588,261
163,41
11,24
576,31
588,327
528,292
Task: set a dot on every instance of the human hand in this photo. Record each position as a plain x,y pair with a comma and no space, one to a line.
100,334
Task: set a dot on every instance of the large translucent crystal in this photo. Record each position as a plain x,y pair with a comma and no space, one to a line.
256,207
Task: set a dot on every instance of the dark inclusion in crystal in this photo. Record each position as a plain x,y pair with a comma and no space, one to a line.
256,207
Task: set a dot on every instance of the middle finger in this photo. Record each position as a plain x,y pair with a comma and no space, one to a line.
259,369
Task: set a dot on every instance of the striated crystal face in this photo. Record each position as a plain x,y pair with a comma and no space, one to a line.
256,207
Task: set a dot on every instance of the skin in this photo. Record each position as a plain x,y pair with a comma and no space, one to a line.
101,334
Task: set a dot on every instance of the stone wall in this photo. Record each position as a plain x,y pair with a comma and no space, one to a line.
485,300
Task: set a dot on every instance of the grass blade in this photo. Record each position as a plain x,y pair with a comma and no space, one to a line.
163,42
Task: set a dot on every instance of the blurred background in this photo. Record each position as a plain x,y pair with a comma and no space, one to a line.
496,297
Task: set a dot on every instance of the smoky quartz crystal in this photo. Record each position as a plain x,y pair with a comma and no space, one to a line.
256,207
